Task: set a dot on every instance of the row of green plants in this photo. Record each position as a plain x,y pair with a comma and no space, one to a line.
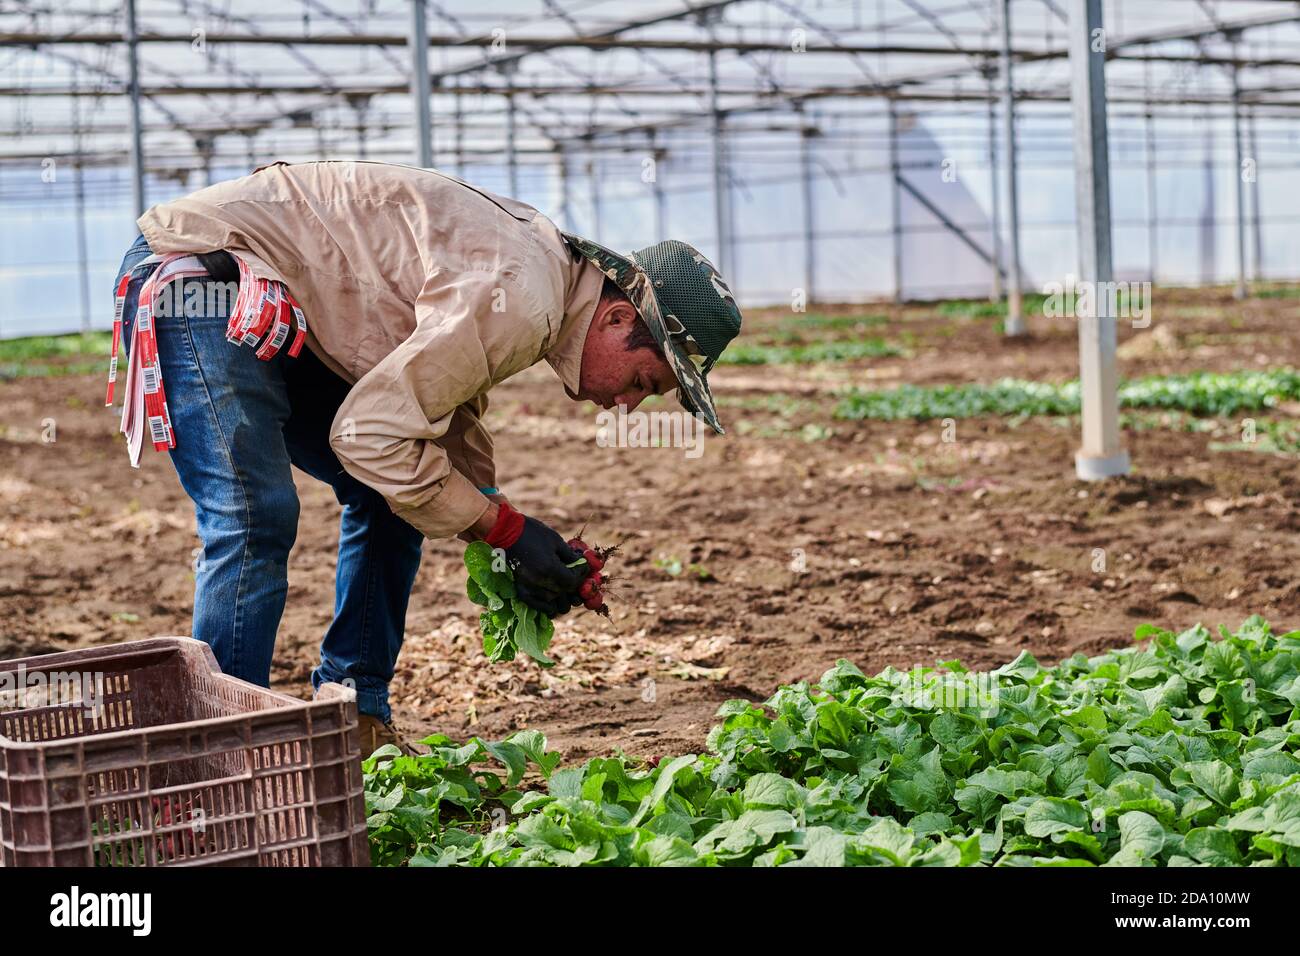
834,350
1196,393
1177,751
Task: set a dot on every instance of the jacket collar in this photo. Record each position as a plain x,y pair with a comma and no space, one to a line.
581,296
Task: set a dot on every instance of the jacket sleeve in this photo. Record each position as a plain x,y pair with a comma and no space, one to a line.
469,443
393,430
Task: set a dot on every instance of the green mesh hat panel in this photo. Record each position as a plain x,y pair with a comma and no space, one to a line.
689,287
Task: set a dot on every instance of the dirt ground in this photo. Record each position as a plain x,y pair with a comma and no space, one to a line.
793,541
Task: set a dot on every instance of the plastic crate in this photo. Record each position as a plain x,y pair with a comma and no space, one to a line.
178,765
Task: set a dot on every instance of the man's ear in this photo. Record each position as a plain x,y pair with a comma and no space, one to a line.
600,320
621,314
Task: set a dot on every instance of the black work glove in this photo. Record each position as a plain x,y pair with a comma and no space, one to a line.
539,558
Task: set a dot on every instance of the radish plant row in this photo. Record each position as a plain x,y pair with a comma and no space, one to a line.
1198,393
1178,752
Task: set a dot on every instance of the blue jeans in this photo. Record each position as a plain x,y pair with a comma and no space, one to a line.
240,423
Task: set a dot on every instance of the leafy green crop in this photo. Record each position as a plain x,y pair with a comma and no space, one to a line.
982,308
1182,752
1281,292
1199,393
508,625
35,347
795,329
831,351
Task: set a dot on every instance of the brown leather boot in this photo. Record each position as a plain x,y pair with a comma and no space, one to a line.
375,733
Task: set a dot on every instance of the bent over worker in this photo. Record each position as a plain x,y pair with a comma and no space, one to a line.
415,293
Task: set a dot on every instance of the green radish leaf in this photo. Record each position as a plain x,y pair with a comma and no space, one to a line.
1054,815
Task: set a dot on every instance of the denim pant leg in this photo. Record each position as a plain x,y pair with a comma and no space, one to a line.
379,553
228,410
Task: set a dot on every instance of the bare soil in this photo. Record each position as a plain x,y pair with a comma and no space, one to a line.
795,540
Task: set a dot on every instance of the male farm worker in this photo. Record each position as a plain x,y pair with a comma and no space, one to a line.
420,293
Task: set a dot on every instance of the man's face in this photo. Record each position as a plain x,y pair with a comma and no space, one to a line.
611,375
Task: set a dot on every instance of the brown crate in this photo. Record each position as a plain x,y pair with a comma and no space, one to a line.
180,765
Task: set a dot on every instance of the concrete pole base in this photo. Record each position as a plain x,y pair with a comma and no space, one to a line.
1089,468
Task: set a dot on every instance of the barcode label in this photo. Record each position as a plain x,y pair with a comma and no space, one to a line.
157,430
150,373
299,318
112,369
119,303
281,333
143,320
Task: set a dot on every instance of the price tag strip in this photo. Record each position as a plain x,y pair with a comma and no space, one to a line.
264,313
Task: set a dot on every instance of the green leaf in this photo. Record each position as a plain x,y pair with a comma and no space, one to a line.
533,631
770,790
1006,783
668,851
920,785
1213,846
886,839
1215,779
1050,815
663,783
1141,834
479,560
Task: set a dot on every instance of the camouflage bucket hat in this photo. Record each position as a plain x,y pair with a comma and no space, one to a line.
684,302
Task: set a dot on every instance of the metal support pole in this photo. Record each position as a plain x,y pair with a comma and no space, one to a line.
205,146
593,181
1101,455
657,188
1153,238
459,127
1239,208
79,192
720,184
137,137
895,204
1015,323
361,106
512,155
809,214
1256,222
420,89
562,163
995,201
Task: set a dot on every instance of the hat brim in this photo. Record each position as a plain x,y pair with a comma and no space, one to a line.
690,369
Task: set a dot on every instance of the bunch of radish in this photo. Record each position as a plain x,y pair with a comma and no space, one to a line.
591,591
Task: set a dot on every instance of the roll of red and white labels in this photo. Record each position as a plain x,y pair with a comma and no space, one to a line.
264,312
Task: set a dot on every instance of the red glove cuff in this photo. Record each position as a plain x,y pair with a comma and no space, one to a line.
507,529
